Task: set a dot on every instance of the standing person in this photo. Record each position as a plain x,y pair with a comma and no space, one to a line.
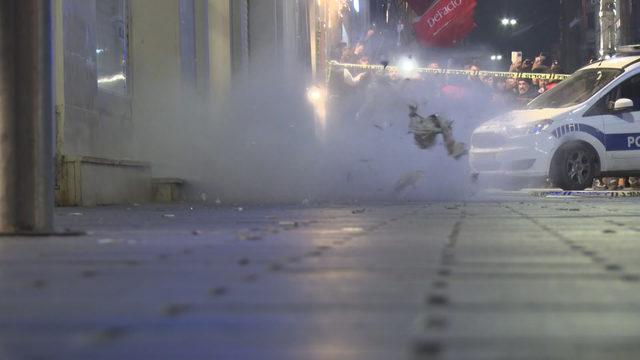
526,92
542,85
539,65
372,42
527,65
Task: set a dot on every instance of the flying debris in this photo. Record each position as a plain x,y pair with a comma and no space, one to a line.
425,131
408,180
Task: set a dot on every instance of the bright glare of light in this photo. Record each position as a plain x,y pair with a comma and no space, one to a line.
407,66
315,95
505,21
99,51
356,5
493,57
499,57
112,79
513,22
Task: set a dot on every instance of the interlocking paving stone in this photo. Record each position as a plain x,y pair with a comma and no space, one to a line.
518,278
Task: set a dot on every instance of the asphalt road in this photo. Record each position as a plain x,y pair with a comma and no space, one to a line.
519,278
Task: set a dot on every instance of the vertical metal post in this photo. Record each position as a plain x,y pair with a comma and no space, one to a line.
26,117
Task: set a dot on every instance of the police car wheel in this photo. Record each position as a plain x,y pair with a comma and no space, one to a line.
575,167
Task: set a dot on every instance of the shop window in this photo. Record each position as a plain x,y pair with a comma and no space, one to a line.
112,45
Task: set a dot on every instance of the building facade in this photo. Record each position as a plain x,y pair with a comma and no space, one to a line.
138,80
591,29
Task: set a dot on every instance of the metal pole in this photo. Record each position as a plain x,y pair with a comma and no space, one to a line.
26,117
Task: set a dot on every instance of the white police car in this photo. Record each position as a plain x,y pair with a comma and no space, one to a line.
586,126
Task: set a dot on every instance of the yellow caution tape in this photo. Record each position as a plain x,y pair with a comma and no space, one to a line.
484,73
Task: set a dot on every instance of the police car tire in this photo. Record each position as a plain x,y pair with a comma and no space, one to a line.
565,161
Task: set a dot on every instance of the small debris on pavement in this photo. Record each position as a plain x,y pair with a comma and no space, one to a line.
250,235
76,214
38,284
218,291
196,232
438,300
89,273
243,262
218,201
239,209
112,333
176,309
358,211
168,216
289,224
430,348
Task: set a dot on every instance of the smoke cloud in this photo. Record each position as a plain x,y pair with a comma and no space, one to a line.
266,145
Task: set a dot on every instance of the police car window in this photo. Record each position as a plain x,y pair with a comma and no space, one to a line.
630,89
575,90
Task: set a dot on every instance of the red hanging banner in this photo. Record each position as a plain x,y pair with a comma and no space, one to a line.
446,22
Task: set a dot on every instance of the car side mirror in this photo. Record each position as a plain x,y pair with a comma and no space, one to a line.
622,104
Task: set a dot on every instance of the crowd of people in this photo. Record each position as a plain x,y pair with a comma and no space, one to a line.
505,93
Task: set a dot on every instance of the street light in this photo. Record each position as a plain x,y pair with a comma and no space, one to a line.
509,21
407,66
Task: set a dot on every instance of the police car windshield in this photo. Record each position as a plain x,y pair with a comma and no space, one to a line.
576,89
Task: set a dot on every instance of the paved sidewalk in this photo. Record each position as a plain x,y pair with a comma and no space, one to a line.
528,278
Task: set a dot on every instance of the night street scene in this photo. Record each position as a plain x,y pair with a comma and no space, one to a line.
319,179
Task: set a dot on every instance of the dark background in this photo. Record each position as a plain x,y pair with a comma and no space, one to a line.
538,27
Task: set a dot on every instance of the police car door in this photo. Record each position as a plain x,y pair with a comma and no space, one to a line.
622,128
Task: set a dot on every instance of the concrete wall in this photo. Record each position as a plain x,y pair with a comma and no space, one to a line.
278,31
156,79
161,116
172,122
